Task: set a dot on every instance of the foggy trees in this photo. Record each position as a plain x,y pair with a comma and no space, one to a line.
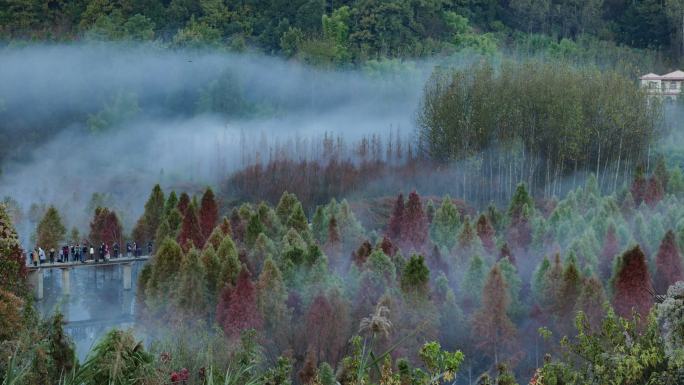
105,227
510,126
50,231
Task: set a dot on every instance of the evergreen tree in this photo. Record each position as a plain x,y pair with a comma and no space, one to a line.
212,269
591,302
491,322
208,213
50,231
154,213
191,293
297,219
165,266
319,225
513,284
467,235
611,248
632,284
230,264
285,206
474,281
215,238
171,203
254,228
190,232
271,301
445,224
333,245
415,276
668,264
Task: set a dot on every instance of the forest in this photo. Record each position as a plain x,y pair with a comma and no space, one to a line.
399,192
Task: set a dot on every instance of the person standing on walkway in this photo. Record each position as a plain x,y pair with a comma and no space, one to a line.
92,252
34,257
52,255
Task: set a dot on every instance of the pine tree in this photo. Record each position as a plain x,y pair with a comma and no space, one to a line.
154,212
551,286
191,293
190,232
467,235
415,226
242,312
208,213
319,225
212,268
333,245
230,264
538,284
254,228
165,266
668,264
285,206
632,284
271,301
491,322
486,233
474,282
297,220
445,224
611,248
50,230
171,203
591,301
226,227
513,284
395,224
415,276
215,238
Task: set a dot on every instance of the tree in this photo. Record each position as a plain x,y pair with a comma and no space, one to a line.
611,248
297,219
183,203
415,276
190,232
668,264
271,301
415,226
13,272
105,227
591,302
254,228
491,321
445,224
474,282
191,293
50,231
394,227
486,233
208,213
165,266
154,213
242,312
632,284
230,264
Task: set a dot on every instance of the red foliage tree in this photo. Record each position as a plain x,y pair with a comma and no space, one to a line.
326,328
505,252
237,226
183,203
632,284
105,227
241,311
654,192
396,220
334,242
361,254
414,232
387,247
611,248
208,214
486,233
668,264
190,233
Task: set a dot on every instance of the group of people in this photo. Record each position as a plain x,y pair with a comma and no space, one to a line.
85,252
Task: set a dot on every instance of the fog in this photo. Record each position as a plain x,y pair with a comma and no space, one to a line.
158,127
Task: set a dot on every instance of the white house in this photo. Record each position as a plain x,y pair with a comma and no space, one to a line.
668,85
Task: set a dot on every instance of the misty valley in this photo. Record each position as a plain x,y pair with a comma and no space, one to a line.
360,192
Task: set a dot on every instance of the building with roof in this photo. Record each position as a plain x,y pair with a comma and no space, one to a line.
668,86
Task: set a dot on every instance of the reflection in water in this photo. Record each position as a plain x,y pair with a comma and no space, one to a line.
97,301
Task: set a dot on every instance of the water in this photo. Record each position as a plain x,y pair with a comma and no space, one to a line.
96,304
